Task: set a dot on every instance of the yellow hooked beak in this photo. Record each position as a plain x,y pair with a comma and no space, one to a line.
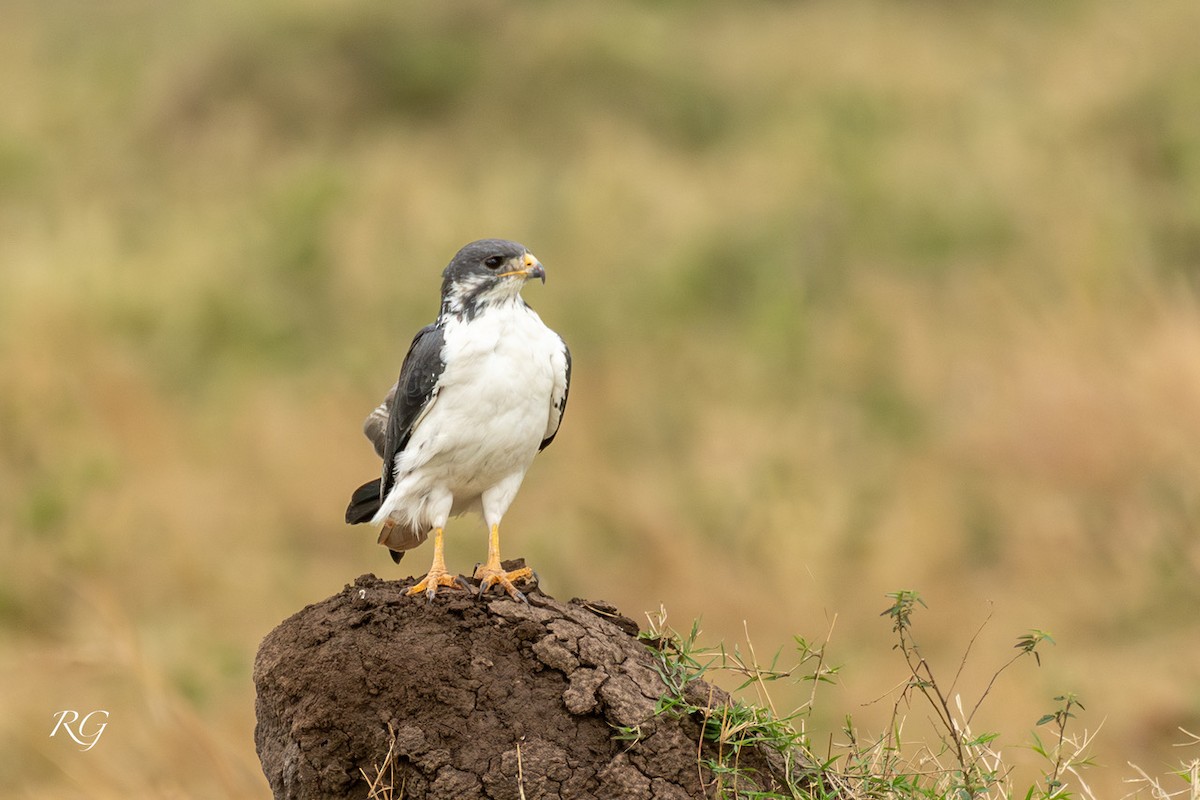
530,268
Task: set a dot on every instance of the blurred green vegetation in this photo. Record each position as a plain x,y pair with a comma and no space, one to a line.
861,295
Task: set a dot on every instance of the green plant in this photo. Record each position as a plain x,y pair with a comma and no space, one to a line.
960,764
977,768
729,728
1065,753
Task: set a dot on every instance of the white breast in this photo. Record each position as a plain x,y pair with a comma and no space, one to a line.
487,420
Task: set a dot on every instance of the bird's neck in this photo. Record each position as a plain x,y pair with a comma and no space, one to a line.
471,302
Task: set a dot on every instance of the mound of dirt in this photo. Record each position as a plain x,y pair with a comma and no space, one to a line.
371,693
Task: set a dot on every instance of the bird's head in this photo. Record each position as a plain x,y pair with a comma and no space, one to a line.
486,273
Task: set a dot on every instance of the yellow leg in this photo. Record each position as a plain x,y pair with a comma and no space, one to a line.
492,573
438,575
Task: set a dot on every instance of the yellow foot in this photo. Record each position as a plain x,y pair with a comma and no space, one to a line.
490,575
437,577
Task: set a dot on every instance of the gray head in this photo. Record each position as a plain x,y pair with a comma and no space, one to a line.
486,273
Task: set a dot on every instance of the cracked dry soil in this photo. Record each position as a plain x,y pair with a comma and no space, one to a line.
473,698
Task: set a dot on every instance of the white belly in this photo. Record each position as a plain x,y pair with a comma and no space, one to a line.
483,429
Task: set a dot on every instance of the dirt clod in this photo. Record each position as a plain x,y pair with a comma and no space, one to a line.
470,698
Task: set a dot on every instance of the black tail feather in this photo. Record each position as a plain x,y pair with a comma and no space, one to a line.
364,503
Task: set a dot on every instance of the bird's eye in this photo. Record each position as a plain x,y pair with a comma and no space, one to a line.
493,262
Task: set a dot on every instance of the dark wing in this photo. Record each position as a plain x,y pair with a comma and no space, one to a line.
415,390
391,424
558,396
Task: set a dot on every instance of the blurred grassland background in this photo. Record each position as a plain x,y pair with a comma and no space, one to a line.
863,296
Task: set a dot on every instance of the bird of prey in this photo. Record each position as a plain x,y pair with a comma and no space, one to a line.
481,392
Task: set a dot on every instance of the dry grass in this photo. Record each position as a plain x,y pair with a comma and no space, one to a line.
862,297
